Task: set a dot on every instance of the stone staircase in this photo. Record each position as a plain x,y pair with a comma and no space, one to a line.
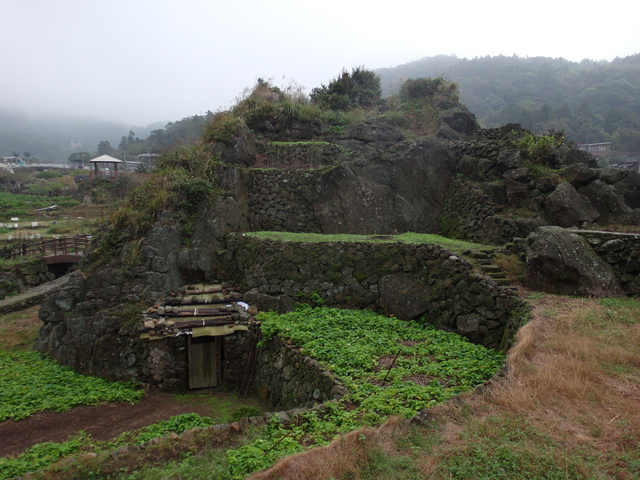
484,261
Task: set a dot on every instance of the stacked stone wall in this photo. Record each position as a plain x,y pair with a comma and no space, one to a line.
281,200
285,378
479,212
23,277
405,280
621,251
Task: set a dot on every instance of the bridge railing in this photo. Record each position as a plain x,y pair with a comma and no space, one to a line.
48,246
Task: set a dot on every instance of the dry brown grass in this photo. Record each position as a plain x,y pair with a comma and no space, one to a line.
341,459
573,383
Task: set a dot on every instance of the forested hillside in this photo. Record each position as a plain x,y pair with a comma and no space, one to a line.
590,101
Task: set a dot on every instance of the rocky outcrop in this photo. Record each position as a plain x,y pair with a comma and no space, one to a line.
562,262
457,123
621,251
567,208
499,195
25,276
374,131
402,193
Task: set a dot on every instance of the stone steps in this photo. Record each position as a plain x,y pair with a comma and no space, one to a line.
484,261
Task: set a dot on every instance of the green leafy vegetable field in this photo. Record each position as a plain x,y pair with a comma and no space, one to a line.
389,366
32,383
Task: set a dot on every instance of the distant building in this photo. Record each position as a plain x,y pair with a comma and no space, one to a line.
596,149
149,158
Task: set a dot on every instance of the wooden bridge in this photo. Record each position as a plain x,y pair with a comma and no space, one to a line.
52,250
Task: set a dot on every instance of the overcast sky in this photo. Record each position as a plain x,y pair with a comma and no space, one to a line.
143,61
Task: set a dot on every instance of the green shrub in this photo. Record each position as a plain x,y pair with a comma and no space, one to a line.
224,127
538,148
437,91
360,88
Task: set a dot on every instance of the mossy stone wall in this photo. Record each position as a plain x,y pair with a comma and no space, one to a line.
405,280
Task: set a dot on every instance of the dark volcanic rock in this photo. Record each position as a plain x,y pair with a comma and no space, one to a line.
571,156
612,175
564,263
629,188
605,200
403,295
567,208
379,131
461,120
508,160
402,193
579,174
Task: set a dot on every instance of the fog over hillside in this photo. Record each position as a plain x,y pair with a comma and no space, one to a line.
53,138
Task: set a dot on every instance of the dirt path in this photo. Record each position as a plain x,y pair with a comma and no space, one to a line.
102,422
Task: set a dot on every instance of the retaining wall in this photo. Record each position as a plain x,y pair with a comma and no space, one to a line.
621,251
404,280
285,378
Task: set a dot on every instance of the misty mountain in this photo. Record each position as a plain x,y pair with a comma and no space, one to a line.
53,139
590,101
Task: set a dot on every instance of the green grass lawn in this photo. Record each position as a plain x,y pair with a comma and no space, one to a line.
456,246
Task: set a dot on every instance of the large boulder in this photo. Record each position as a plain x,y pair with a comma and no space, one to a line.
460,119
375,131
579,174
509,159
564,263
629,189
241,148
400,193
567,208
572,156
606,201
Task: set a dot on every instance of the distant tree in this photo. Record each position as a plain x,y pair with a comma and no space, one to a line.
15,154
620,117
360,88
105,148
126,142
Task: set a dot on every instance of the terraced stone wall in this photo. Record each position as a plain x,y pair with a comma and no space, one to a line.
405,280
285,378
282,200
621,251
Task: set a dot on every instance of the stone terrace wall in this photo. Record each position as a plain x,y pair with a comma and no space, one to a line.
286,379
621,251
475,211
405,280
23,277
281,200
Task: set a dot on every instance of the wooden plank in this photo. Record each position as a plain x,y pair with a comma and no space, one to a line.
203,362
204,322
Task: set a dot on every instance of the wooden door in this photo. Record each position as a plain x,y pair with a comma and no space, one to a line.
204,360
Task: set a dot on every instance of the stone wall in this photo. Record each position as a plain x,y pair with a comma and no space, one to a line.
499,193
477,211
621,251
285,378
22,277
281,200
404,280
